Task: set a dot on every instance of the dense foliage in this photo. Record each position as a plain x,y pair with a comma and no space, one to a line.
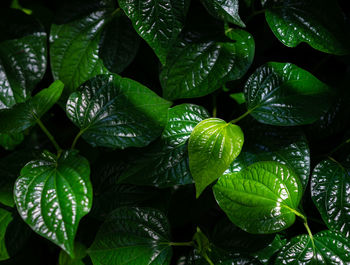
157,132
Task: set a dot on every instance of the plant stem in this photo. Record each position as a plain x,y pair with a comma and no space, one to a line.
115,12
255,13
49,135
182,244
76,138
339,146
205,256
241,117
310,234
214,106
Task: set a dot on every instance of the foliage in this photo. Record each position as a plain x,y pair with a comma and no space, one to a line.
158,132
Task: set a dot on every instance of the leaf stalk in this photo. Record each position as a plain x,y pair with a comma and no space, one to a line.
50,136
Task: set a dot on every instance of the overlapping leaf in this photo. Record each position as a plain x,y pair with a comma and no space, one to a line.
158,22
117,112
262,198
197,68
133,236
320,23
52,195
330,191
212,147
284,94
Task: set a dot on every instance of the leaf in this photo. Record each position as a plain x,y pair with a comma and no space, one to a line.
22,56
181,121
23,115
226,10
212,147
158,22
286,95
265,255
5,219
10,166
79,254
330,248
197,68
100,40
320,23
52,195
329,190
287,145
165,163
238,97
261,199
10,141
117,112
132,236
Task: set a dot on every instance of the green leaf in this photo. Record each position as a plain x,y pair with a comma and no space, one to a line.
23,115
262,198
212,147
320,23
330,192
117,112
287,145
238,97
197,68
10,141
226,10
52,195
5,219
100,40
10,166
286,95
181,121
22,56
158,22
79,254
330,248
133,236
265,255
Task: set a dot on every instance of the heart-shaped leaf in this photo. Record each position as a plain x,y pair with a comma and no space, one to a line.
226,10
10,140
133,236
157,22
197,68
22,56
117,112
212,147
320,23
99,41
284,94
52,195
270,143
330,248
330,184
23,115
262,198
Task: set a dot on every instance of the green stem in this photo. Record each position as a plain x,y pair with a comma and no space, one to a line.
49,135
255,14
310,234
76,139
205,256
115,12
241,117
214,106
339,146
182,244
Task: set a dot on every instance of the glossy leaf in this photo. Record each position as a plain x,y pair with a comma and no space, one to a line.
262,198
158,22
5,219
181,121
23,115
226,10
79,254
197,68
212,147
100,40
117,112
286,95
330,191
10,141
132,236
22,56
286,145
320,23
265,255
165,163
52,195
330,248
